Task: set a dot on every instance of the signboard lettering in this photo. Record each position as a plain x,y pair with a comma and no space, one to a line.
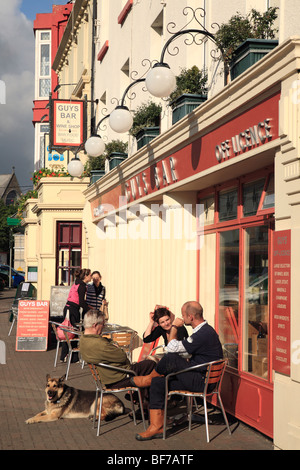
67,123
245,140
281,306
32,329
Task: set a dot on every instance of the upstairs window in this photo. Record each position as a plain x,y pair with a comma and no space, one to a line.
43,53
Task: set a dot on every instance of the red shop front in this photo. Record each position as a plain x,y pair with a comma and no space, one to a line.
231,166
239,218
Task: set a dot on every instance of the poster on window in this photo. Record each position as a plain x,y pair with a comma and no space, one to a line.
67,123
281,301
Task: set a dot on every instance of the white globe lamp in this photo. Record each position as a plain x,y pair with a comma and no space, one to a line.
160,80
75,167
94,146
121,120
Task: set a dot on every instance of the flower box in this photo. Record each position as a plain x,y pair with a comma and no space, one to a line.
144,136
248,53
116,158
185,104
95,175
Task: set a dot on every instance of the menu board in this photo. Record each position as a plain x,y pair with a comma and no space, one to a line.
32,328
58,299
281,301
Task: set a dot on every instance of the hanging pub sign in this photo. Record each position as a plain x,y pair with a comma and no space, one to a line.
67,123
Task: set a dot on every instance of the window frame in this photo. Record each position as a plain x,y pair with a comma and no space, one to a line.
69,246
39,43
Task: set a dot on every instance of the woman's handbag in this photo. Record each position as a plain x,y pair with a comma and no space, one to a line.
104,309
66,323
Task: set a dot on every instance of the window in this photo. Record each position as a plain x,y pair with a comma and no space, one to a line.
229,294
228,201
243,223
251,196
43,68
256,316
68,257
208,204
11,198
39,150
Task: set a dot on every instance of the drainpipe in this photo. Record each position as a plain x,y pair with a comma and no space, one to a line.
93,68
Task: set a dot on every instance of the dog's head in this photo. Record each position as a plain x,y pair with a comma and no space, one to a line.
54,388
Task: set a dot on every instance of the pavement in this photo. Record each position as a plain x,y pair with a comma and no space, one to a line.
22,383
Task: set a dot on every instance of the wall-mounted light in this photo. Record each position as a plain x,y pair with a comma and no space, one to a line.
75,167
160,80
94,146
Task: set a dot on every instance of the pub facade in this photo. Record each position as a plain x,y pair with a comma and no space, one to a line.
210,211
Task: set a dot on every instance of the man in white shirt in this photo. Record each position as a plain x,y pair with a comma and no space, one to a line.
203,346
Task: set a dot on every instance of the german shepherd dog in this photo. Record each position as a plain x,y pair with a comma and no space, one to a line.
63,401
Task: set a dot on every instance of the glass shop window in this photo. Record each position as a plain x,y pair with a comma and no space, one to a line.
207,209
256,317
228,202
251,197
229,294
269,199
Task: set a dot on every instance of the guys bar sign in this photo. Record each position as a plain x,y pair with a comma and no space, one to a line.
68,123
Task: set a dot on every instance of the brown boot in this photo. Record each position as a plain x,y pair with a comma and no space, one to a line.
143,381
155,430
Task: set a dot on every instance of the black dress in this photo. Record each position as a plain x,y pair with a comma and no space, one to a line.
159,331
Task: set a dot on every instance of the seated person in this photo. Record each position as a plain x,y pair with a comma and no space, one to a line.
163,317
94,349
203,346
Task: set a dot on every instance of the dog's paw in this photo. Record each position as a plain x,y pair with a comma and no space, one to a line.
29,421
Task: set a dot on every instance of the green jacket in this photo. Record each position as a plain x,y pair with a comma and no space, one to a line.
94,349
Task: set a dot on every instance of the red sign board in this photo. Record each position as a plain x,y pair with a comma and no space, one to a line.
32,329
252,129
281,301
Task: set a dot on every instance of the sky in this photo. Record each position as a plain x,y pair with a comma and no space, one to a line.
17,85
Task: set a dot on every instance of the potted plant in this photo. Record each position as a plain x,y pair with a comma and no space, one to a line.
246,39
190,92
95,168
146,122
116,152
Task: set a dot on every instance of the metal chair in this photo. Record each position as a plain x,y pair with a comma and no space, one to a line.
14,311
125,340
103,390
214,376
58,340
72,349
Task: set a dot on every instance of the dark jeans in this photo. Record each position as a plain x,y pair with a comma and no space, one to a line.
173,362
140,368
74,317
